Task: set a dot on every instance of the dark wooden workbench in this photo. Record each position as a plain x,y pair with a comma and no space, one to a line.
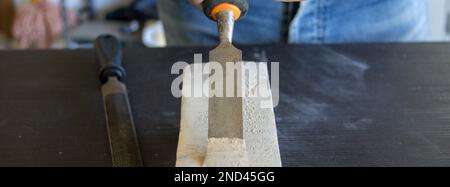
341,105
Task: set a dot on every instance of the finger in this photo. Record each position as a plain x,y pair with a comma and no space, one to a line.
197,3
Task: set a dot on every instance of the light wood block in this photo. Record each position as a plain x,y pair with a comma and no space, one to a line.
260,133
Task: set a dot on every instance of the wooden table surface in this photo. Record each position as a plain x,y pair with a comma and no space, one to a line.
340,105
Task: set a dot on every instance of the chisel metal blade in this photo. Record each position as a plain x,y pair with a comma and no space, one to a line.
225,114
225,118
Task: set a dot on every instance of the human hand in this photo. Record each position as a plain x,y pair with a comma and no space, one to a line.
37,25
199,2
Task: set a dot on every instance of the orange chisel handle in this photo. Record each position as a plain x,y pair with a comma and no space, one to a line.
213,7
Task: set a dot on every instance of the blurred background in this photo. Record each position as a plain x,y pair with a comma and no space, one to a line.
75,23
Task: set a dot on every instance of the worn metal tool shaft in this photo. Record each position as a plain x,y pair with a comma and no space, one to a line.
225,24
225,114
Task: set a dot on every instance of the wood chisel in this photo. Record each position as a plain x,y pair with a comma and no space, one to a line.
225,118
124,145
